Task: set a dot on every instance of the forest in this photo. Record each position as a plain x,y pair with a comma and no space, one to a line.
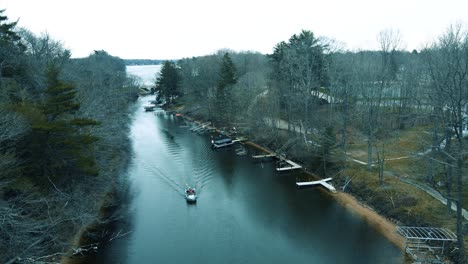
386,124
63,145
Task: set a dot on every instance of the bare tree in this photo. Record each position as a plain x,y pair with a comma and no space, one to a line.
447,62
375,90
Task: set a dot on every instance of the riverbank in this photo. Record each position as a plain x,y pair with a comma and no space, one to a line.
383,225
377,221
394,200
108,226
252,144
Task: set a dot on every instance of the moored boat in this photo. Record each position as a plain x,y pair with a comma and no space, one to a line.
221,142
149,108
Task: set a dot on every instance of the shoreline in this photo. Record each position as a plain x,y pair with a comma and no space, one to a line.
384,226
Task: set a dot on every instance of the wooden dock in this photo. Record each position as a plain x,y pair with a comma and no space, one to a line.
285,164
290,165
240,140
323,182
200,127
264,156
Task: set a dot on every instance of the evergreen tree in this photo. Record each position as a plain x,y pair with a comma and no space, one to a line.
168,82
7,33
58,146
10,47
300,70
227,78
228,72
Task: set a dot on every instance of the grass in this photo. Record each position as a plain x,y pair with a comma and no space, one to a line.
401,202
405,204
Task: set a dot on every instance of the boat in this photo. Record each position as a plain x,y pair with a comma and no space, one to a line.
144,91
191,195
149,108
241,151
221,142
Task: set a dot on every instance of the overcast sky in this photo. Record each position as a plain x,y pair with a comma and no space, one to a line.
172,29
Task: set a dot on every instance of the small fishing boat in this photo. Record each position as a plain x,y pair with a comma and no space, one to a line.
191,195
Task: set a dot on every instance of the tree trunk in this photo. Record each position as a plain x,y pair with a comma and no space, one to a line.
306,112
460,241
380,163
369,152
430,167
345,125
448,180
459,171
370,138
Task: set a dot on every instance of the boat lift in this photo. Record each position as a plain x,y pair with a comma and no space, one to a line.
426,244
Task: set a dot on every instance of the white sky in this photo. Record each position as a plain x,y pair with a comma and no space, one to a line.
172,29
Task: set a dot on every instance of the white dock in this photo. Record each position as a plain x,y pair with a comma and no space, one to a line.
264,156
293,165
240,139
323,182
200,127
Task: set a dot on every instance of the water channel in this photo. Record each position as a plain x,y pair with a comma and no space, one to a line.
246,212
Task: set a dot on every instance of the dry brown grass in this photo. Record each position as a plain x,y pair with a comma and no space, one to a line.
425,206
405,204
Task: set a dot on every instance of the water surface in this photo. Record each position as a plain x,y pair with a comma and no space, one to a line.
246,212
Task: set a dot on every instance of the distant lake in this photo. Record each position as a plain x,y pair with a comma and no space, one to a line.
147,73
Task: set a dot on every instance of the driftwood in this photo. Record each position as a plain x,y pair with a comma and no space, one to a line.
13,260
83,250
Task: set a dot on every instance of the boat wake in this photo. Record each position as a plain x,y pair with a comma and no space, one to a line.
177,185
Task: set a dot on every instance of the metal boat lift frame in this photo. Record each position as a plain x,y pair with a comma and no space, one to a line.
426,244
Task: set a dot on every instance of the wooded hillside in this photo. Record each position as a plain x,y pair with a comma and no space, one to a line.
63,142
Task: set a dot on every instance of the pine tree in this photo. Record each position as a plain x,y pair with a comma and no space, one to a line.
59,145
228,72
168,82
10,47
227,78
7,33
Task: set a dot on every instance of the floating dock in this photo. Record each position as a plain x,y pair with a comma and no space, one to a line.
323,182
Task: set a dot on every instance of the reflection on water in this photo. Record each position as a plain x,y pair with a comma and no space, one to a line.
246,212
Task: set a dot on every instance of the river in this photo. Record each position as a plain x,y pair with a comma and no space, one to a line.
245,213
